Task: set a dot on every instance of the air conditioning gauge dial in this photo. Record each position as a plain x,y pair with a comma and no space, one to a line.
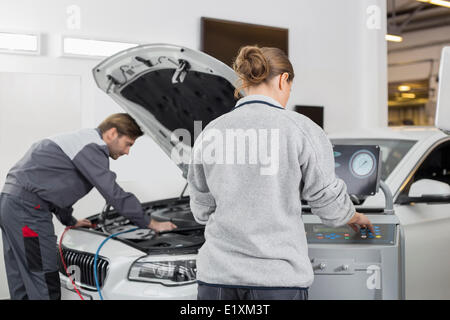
362,164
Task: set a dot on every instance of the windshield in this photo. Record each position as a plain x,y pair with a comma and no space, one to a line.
392,151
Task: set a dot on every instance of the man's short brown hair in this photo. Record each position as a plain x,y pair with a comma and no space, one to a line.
124,124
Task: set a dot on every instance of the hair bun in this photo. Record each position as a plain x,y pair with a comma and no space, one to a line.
255,65
251,65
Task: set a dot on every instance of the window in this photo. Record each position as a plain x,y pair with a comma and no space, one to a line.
435,167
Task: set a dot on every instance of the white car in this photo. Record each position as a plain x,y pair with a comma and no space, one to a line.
165,88
416,168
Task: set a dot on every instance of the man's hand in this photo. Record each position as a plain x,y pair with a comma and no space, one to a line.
83,223
161,226
360,220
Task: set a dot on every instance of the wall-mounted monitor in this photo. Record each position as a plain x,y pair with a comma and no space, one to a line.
222,39
315,113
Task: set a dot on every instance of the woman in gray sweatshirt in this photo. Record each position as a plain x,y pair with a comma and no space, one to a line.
249,171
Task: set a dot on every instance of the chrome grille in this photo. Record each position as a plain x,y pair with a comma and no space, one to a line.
85,261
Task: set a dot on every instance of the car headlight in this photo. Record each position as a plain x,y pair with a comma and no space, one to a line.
168,271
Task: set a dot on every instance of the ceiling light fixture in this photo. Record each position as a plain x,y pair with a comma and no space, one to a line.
11,42
404,87
394,38
437,2
79,47
408,95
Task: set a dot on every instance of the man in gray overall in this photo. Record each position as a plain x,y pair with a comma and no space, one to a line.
54,174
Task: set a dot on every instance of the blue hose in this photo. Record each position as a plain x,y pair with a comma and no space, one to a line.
96,258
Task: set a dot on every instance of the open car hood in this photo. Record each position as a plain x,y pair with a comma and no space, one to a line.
166,88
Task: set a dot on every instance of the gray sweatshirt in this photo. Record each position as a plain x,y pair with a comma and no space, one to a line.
249,171
64,168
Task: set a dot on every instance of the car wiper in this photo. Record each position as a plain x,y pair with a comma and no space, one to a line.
182,229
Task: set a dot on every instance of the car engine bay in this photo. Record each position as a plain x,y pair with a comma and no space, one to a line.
186,238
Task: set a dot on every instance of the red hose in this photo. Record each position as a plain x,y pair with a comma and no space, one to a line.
64,262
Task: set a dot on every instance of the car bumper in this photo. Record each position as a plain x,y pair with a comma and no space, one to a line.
130,290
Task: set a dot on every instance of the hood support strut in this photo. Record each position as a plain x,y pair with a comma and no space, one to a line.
181,72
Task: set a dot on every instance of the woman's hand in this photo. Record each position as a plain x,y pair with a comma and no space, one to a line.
360,220
161,226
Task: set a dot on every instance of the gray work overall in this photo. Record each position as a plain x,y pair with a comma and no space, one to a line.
54,174
29,245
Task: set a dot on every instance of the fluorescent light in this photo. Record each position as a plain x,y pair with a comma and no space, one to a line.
441,3
78,47
392,37
437,2
408,95
19,43
404,88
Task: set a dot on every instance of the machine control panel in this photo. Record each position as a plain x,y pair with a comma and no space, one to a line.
319,233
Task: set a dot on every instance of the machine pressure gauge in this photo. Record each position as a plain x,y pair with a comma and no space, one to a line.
359,167
362,164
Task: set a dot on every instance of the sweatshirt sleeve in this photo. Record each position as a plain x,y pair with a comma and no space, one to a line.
321,189
202,202
93,164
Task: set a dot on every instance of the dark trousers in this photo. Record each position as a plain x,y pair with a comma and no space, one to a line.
217,292
29,248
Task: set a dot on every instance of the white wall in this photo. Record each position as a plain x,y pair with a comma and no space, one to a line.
339,63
